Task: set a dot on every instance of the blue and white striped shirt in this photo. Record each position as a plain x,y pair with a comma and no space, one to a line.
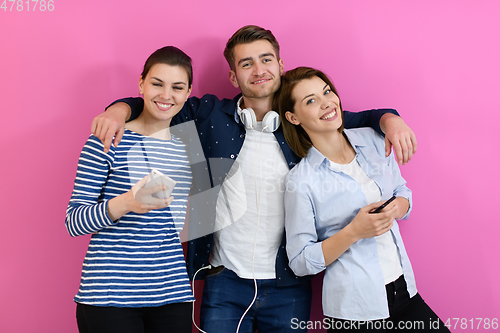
136,261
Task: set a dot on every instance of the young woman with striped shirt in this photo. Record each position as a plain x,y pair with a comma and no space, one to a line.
134,275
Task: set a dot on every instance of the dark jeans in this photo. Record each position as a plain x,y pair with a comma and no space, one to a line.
174,317
406,314
226,297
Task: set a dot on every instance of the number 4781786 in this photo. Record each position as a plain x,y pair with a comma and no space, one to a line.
472,323
27,5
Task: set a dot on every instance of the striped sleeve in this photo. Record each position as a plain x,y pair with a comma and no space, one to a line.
87,212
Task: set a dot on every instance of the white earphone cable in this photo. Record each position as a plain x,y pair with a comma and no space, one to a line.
192,313
257,202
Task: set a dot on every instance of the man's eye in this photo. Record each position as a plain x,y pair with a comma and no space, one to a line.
247,64
267,60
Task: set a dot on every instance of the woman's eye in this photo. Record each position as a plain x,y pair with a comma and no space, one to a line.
179,88
310,101
327,91
157,84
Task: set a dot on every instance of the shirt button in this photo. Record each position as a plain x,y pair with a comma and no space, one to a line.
232,156
242,136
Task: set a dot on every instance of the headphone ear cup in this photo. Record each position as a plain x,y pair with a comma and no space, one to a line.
271,122
248,118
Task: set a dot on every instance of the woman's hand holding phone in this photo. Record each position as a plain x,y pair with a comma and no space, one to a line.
367,224
364,225
138,199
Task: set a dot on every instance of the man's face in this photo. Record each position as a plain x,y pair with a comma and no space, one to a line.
257,70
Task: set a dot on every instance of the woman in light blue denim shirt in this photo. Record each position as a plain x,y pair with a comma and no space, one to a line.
330,196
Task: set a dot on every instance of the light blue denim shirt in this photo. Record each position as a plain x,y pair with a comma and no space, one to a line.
319,202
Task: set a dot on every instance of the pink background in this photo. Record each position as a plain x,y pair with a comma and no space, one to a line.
436,62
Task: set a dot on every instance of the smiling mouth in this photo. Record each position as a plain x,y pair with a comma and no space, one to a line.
164,106
329,115
261,81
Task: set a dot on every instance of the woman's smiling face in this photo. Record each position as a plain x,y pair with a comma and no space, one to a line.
166,89
316,108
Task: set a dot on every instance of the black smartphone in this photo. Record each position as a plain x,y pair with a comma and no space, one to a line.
379,209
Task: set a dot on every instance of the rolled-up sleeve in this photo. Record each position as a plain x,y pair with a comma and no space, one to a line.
303,249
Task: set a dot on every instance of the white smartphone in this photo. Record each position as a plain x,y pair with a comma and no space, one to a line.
156,178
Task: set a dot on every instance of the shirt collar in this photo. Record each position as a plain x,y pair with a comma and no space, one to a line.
354,138
315,158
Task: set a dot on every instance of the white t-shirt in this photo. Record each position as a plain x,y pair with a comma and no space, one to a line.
252,196
388,255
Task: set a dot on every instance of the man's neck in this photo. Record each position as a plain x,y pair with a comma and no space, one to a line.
260,106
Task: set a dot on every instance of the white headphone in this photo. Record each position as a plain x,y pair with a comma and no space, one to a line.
270,123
